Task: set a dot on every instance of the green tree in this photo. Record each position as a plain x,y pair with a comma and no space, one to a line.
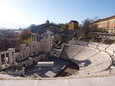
64,27
86,26
24,37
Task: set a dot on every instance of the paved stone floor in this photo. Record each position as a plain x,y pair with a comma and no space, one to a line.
50,71
94,81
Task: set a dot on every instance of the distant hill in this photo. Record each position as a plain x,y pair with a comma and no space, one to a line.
56,28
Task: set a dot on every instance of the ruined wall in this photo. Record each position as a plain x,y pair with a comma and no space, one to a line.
22,58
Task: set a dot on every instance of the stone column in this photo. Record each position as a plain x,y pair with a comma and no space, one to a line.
28,50
22,55
21,52
36,38
5,59
31,49
14,57
24,50
10,57
23,69
31,38
36,48
25,55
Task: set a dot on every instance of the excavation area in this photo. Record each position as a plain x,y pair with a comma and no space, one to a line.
51,67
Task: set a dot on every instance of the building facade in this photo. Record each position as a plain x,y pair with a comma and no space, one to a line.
107,24
73,25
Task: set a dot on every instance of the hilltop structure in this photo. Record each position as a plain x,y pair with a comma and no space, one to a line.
73,25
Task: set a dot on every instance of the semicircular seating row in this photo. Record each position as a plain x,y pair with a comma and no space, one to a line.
110,49
89,59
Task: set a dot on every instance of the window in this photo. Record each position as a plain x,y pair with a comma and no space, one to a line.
103,24
108,23
112,22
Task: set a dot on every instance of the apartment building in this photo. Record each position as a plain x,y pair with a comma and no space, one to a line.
107,24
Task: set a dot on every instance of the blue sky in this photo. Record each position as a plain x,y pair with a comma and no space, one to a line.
22,13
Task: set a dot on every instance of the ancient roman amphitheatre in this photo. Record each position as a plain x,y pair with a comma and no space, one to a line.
38,61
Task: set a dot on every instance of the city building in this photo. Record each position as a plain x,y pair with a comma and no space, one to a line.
106,23
73,25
